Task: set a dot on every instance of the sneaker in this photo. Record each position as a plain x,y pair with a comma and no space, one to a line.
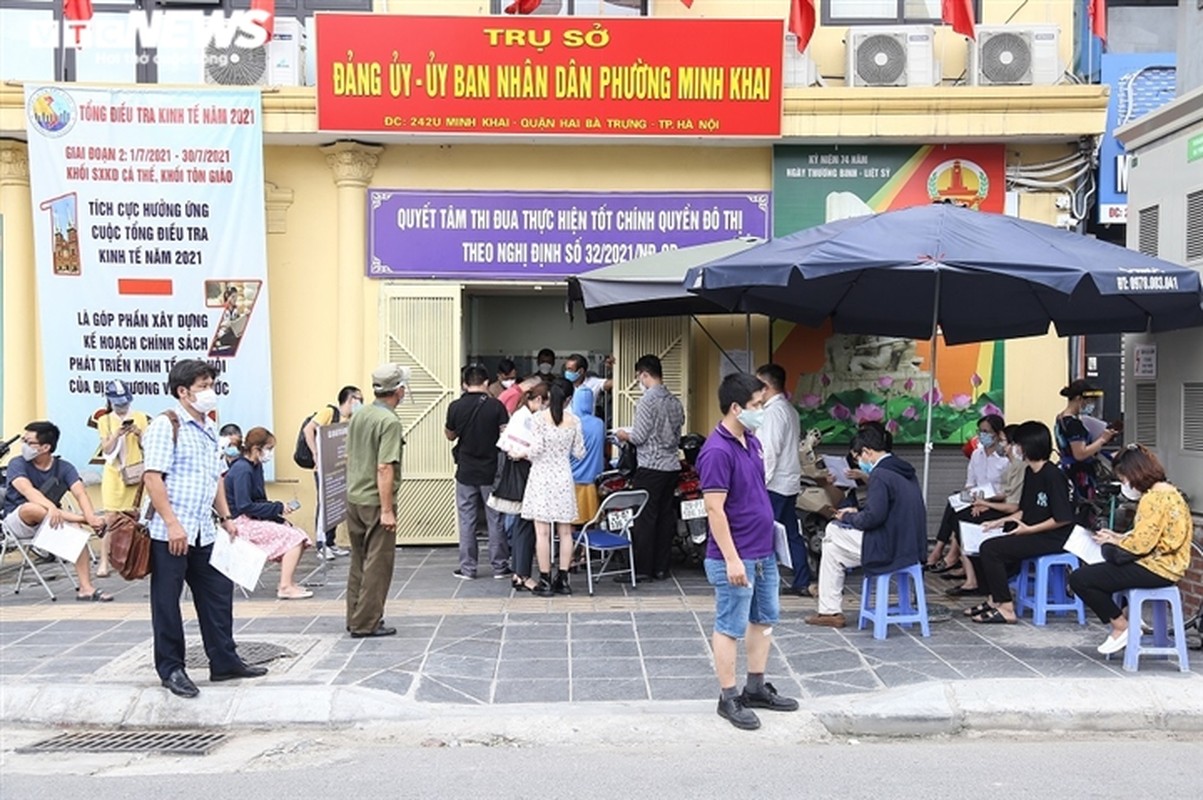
1112,644
827,620
338,551
325,554
768,698
463,576
500,576
733,711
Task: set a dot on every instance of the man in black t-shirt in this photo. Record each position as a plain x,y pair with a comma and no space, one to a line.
474,423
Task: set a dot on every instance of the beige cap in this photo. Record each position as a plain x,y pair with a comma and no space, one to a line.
389,377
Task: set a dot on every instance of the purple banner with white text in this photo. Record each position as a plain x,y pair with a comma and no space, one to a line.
545,235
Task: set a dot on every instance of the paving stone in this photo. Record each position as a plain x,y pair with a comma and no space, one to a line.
653,632
535,648
607,668
684,688
605,648
608,689
350,676
480,648
390,681
453,690
532,669
440,665
603,631
825,661
674,647
848,682
554,631
12,668
678,667
912,672
531,691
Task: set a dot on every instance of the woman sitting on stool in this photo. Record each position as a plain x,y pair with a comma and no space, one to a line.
1155,554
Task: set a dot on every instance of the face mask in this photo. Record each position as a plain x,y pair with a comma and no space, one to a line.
267,456
29,452
356,405
571,375
1127,491
1088,409
206,401
121,411
865,466
230,451
545,369
507,383
987,440
751,418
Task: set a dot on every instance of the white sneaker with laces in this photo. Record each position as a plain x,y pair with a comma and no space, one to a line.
338,551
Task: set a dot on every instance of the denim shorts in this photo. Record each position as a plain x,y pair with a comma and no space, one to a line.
736,606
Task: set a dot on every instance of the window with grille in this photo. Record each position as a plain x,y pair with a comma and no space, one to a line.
1194,226
1146,414
1192,417
582,8
1148,239
886,12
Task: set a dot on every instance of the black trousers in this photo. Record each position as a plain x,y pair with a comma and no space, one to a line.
656,526
1002,555
213,596
522,547
1095,583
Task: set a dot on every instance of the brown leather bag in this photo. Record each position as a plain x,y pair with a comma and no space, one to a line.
129,544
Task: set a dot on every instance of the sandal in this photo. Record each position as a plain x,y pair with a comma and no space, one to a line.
941,567
965,591
96,596
993,617
978,610
102,573
298,594
949,575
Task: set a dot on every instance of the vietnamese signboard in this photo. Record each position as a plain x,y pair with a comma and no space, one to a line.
544,235
548,75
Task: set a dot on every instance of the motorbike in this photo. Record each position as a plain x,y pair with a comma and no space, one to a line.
818,498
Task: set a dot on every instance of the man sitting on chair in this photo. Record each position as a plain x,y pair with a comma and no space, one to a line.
36,484
888,534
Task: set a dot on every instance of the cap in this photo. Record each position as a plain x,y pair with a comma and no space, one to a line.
118,393
389,377
1079,388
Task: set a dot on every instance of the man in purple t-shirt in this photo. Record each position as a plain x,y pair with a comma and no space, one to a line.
740,562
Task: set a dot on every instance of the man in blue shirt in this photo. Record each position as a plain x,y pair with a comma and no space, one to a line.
183,478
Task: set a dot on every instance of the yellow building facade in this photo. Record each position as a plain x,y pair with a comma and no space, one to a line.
331,325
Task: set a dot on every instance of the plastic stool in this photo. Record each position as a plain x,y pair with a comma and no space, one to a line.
1161,600
1050,591
882,613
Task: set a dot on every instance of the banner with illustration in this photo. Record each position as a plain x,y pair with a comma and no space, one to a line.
150,248
841,380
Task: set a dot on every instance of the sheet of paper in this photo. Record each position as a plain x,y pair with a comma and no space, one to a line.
781,546
238,560
958,502
66,541
838,468
972,537
1082,544
1094,426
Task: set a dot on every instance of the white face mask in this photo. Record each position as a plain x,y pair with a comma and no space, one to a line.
507,383
545,369
29,452
206,401
1127,491
267,456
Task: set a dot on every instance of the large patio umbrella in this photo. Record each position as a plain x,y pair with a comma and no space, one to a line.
972,275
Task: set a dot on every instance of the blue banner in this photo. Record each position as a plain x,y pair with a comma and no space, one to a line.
1140,83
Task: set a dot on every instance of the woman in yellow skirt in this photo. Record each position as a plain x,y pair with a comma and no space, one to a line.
120,433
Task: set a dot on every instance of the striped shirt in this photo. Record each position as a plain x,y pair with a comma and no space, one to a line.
191,470
656,432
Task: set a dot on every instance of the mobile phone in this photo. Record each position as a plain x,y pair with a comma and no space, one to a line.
293,505
1009,526
127,423
1117,426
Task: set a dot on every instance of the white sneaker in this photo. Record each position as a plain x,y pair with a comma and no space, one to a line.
325,554
338,551
1112,644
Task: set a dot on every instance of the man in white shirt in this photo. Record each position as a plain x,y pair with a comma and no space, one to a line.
780,435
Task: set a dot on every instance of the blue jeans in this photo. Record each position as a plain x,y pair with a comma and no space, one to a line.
785,513
736,606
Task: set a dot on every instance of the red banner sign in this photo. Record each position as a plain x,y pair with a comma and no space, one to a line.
558,76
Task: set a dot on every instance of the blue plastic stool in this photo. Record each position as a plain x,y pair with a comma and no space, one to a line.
882,613
1161,600
1050,592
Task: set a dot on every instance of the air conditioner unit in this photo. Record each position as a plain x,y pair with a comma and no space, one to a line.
1015,55
894,56
280,62
799,70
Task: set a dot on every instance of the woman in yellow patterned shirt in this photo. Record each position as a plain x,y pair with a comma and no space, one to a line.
1154,554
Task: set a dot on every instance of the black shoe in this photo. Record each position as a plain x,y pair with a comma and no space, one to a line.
638,578
662,576
241,671
560,584
380,630
733,711
179,684
543,589
768,698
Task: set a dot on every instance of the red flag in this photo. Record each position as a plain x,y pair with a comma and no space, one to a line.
802,21
1098,18
523,6
688,3
77,10
270,7
959,14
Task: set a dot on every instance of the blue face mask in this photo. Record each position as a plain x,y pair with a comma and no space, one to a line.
751,418
1088,409
231,452
987,440
571,376
865,466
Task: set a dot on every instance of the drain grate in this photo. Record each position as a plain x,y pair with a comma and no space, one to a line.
170,743
249,652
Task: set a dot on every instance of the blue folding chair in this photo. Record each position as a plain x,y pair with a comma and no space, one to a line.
610,532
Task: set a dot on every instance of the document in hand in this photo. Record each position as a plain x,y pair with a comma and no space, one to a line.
973,535
781,546
66,541
958,502
1082,544
838,468
238,560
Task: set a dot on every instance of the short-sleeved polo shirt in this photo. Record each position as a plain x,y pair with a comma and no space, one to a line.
374,437
726,465
191,467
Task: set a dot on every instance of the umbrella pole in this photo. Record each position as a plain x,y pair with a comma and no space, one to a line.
931,389
748,340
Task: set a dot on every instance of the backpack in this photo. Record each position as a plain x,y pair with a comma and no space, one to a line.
302,455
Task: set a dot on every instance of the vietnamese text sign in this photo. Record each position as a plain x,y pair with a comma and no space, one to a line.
1144,361
332,476
538,235
544,75
150,247
1140,83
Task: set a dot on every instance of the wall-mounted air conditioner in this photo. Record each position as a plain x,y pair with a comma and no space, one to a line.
892,56
281,62
1015,55
799,70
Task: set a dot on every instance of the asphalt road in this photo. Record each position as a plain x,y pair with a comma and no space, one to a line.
372,763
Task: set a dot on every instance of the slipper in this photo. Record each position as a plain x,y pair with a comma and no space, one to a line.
96,596
942,567
978,610
993,617
102,573
952,576
301,595
964,591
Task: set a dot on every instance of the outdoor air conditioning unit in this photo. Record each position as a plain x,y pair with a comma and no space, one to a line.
1015,55
896,56
280,62
799,70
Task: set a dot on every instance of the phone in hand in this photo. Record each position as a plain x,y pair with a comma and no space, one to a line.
129,423
292,505
1117,426
1009,526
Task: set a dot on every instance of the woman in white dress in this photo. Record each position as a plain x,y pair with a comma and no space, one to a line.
550,497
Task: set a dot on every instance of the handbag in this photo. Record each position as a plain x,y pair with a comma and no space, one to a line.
628,462
129,545
511,483
131,474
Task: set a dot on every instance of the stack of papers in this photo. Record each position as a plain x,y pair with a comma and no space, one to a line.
238,560
66,541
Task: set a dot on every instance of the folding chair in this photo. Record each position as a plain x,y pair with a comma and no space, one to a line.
11,542
610,531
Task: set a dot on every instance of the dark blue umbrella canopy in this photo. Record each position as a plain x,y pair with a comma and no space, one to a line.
978,275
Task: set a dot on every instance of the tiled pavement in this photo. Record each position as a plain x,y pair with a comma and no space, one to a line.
477,642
